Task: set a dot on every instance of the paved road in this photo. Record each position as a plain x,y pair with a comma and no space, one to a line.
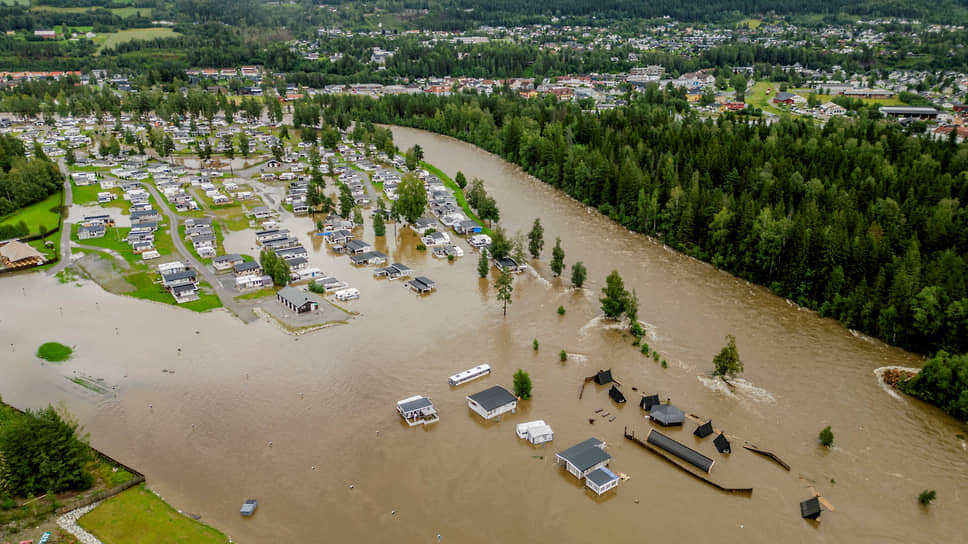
65,244
227,297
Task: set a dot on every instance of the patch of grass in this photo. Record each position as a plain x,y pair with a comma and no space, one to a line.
54,352
267,292
137,34
752,24
140,516
458,194
46,213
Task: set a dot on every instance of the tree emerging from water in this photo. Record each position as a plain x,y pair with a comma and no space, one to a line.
727,362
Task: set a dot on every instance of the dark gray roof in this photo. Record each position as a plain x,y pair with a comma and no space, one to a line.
356,244
681,451
184,274
666,414
586,454
294,296
704,430
227,257
603,377
425,280
616,395
242,267
810,508
601,476
722,444
493,398
649,401
183,288
416,404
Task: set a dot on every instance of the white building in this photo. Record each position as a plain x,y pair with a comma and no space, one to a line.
491,403
536,432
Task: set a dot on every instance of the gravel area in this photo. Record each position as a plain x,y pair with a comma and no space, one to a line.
68,522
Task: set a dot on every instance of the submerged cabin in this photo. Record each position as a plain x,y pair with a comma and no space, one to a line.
248,507
810,508
680,450
584,457
492,402
649,401
722,444
604,377
535,432
421,285
601,480
616,395
667,415
704,430
417,410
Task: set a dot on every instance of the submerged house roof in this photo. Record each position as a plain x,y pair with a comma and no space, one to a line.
416,404
604,377
585,455
616,395
704,430
493,398
649,401
601,476
680,450
667,415
722,444
810,508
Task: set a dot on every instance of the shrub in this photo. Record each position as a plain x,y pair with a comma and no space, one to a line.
421,247
927,497
450,258
8,503
655,356
827,436
561,310
665,364
645,350
535,344
54,352
522,384
636,330
563,355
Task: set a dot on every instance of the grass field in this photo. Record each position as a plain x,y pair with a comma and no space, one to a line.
45,213
758,97
137,34
752,24
138,516
458,193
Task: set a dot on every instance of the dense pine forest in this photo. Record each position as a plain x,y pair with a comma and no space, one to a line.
856,219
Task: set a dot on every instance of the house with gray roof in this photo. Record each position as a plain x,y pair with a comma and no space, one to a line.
297,300
492,402
584,457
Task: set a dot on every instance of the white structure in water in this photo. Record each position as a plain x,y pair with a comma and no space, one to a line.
478,371
492,402
417,410
536,432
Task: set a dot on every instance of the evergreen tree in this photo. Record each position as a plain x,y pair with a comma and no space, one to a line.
557,258
460,180
411,198
379,227
727,362
483,266
578,274
522,383
536,239
614,296
504,289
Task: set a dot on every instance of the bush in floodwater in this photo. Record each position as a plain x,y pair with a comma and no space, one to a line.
535,344
522,384
450,258
827,437
421,247
637,330
645,350
655,356
927,497
319,226
665,364
561,310
563,355
54,352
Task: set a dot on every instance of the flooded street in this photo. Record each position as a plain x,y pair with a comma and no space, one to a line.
307,425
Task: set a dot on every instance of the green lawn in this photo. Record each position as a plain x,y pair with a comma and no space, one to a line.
267,292
138,516
757,97
45,213
752,24
458,193
137,34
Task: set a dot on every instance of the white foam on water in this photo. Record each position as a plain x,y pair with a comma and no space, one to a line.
539,277
741,389
879,372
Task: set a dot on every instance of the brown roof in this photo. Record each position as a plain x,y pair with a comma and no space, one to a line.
17,251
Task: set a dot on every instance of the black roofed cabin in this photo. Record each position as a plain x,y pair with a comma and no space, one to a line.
810,508
604,377
722,444
649,401
616,395
704,430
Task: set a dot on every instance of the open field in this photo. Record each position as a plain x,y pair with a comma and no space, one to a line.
758,97
137,34
45,213
138,516
752,24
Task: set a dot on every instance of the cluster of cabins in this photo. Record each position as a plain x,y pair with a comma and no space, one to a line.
586,460
199,233
180,280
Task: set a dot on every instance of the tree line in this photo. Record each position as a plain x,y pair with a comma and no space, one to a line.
25,181
857,219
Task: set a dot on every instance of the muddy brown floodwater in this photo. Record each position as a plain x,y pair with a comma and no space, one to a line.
199,424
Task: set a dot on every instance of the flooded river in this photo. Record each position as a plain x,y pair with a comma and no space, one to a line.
307,425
